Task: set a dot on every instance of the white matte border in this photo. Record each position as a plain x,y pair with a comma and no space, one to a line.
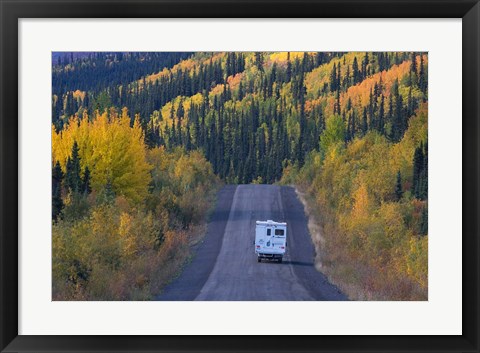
441,314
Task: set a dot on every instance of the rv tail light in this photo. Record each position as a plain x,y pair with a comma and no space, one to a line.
258,246
282,247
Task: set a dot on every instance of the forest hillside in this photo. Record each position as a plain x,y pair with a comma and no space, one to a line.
142,141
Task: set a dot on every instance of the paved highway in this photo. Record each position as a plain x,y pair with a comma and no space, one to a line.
225,267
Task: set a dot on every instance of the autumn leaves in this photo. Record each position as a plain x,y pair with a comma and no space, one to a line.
113,151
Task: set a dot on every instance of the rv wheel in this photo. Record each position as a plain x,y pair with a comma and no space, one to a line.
259,259
280,260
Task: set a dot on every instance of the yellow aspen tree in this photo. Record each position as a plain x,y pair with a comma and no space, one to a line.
114,151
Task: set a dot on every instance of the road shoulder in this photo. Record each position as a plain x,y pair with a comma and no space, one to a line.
302,250
188,285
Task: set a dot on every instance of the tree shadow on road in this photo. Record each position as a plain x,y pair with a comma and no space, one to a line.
297,263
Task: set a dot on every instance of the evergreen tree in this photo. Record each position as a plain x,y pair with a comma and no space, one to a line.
188,140
365,63
413,67
167,137
364,122
289,68
336,106
69,105
399,122
398,187
72,177
86,188
424,193
173,134
381,61
319,58
57,201
355,71
424,221
396,59
333,78
180,110
179,137
410,104
418,172
353,124
339,75
348,132
371,110
422,80
240,91
381,115
259,61
346,79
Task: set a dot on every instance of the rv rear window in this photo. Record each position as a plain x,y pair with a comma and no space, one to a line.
279,232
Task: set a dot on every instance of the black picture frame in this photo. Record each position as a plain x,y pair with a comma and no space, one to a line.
11,11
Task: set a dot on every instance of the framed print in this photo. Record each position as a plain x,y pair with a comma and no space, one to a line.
238,176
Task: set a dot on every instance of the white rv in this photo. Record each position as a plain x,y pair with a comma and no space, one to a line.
270,240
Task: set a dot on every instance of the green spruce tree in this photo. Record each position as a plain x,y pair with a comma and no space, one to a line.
398,187
424,221
57,201
72,177
86,188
